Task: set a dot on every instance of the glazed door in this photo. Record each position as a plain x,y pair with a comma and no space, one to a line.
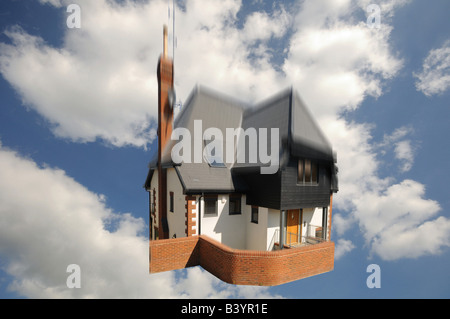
292,226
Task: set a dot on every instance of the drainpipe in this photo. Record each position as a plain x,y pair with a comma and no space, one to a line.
325,224
282,226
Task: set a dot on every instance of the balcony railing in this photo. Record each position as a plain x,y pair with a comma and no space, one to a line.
313,235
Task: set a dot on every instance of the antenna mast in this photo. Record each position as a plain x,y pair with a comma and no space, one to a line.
174,39
174,44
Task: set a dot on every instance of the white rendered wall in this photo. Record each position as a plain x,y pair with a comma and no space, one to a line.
177,218
237,231
257,233
223,227
311,216
273,224
154,185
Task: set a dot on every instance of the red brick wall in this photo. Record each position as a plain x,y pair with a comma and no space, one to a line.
172,254
241,267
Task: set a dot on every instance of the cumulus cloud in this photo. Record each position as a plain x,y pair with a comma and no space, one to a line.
214,51
391,217
262,26
49,221
387,212
343,246
405,153
101,84
401,146
336,59
435,76
429,238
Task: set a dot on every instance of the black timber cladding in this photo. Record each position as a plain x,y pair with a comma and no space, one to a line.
295,195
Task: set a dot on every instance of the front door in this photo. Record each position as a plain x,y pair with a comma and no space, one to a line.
292,226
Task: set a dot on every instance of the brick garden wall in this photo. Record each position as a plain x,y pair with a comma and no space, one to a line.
172,254
241,267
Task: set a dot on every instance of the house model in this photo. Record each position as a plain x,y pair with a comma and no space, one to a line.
255,209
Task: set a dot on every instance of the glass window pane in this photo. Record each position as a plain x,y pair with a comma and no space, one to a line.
300,171
235,204
255,215
307,171
210,205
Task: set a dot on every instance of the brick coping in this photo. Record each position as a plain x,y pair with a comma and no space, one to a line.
241,267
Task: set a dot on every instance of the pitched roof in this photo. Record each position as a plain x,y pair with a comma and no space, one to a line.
307,138
214,110
298,133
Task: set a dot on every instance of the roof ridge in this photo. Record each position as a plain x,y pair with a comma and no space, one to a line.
269,101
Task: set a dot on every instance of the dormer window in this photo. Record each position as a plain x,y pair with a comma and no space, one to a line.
308,172
213,153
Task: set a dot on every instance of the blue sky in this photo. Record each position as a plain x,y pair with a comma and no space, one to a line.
77,129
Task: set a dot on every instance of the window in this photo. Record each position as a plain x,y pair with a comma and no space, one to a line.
210,204
171,202
308,172
235,204
255,213
151,202
213,153
154,202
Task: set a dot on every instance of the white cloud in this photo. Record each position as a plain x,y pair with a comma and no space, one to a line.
386,212
342,223
435,76
214,51
402,147
55,3
261,26
49,221
398,222
102,84
343,247
404,152
401,241
336,59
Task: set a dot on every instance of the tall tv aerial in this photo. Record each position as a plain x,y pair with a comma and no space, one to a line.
172,17
177,104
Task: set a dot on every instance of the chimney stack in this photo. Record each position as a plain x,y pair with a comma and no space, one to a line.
165,122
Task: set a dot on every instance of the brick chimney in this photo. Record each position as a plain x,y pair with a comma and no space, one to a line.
165,122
